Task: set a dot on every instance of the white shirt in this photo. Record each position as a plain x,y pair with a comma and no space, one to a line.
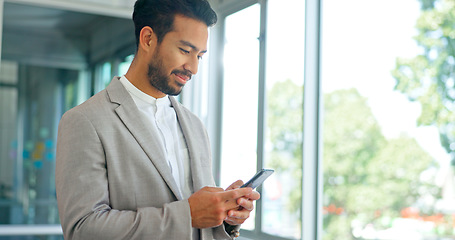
164,125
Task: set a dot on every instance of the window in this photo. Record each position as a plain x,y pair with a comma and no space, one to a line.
283,118
33,99
8,126
240,96
103,76
386,172
262,111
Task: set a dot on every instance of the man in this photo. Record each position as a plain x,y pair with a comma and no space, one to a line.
133,163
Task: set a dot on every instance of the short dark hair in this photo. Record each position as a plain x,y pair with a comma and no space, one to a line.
160,14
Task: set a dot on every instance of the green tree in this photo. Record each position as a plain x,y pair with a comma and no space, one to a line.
429,76
351,137
395,171
285,129
367,178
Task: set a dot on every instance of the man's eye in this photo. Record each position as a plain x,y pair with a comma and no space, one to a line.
184,51
199,57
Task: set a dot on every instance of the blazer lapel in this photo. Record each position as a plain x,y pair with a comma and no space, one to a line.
137,125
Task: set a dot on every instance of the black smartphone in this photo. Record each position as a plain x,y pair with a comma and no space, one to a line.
258,179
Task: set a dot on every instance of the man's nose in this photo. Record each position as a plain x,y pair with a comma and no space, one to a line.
192,65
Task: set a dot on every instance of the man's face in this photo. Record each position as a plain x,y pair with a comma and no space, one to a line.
176,58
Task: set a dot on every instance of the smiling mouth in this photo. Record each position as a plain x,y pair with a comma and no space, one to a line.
182,78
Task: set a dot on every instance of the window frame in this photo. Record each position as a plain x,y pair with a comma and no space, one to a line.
312,144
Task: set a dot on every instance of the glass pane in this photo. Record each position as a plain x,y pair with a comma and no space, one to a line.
240,98
106,75
8,143
282,193
124,65
388,100
30,111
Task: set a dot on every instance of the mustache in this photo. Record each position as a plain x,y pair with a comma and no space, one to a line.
183,72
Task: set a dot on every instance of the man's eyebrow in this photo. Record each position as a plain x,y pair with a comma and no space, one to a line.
191,46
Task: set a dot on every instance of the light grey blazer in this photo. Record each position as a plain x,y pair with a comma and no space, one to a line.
112,180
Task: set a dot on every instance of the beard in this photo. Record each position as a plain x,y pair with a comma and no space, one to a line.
160,80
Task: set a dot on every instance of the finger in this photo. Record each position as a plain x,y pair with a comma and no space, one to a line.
234,221
213,189
245,203
236,184
253,196
228,205
231,222
231,204
235,193
235,215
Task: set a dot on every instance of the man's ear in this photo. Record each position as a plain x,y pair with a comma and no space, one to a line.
147,39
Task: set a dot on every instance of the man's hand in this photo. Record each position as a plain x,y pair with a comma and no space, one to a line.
238,215
210,205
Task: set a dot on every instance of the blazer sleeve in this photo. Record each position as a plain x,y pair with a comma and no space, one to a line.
83,193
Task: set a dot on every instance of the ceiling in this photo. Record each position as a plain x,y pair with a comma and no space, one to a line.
35,18
45,35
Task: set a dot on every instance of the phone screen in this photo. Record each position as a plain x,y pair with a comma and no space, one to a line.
258,179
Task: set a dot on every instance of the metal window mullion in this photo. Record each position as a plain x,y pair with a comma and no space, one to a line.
215,103
262,105
1,28
18,187
311,188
